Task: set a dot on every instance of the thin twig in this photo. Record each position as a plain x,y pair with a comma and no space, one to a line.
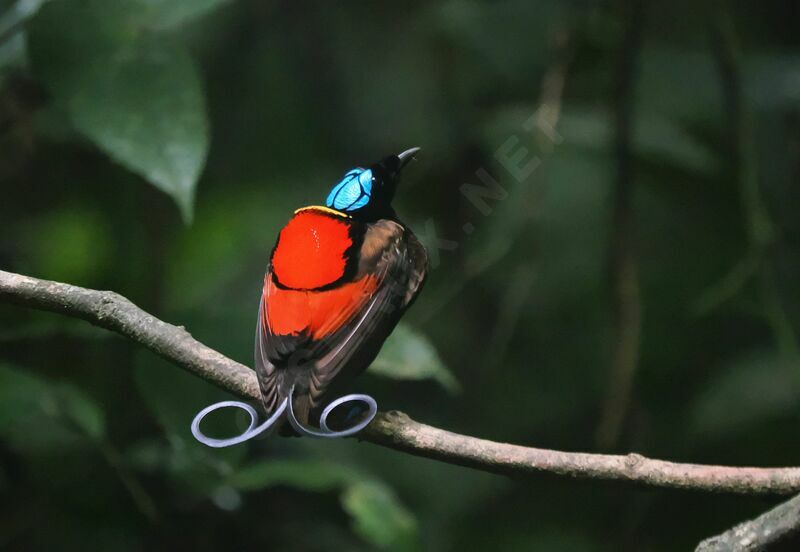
784,520
758,261
622,250
393,429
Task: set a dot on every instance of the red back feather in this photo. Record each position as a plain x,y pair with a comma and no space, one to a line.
311,250
311,254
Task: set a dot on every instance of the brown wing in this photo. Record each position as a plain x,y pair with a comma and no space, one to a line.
391,272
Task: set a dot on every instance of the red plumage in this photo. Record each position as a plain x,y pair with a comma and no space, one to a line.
316,313
310,252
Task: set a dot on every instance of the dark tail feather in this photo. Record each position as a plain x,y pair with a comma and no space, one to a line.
274,390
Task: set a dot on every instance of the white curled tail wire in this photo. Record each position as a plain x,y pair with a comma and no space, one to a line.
254,430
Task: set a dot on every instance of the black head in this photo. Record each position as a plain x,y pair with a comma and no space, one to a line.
368,193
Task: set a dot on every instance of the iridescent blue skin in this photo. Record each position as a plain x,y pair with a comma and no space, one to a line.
353,192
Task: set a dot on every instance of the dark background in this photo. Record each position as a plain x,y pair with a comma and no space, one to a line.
674,163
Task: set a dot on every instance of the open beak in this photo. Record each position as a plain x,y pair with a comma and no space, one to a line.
406,157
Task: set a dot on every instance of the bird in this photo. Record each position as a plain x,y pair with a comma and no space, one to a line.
340,277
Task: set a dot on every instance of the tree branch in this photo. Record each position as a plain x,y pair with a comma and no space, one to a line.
392,429
772,527
114,312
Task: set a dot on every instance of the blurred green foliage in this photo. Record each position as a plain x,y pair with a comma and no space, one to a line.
155,147
117,77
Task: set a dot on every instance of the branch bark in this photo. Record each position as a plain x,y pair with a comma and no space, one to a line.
391,429
770,528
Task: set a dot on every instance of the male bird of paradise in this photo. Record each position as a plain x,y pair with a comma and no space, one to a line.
339,278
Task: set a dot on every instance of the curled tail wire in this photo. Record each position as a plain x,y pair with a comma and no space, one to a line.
254,429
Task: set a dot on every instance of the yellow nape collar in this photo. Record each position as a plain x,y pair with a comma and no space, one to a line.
324,209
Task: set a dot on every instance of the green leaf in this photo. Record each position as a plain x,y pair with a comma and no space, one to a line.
13,52
305,475
771,80
38,415
137,96
82,410
378,515
13,44
471,24
662,83
20,392
147,111
753,389
17,13
174,397
655,137
72,245
148,456
408,355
